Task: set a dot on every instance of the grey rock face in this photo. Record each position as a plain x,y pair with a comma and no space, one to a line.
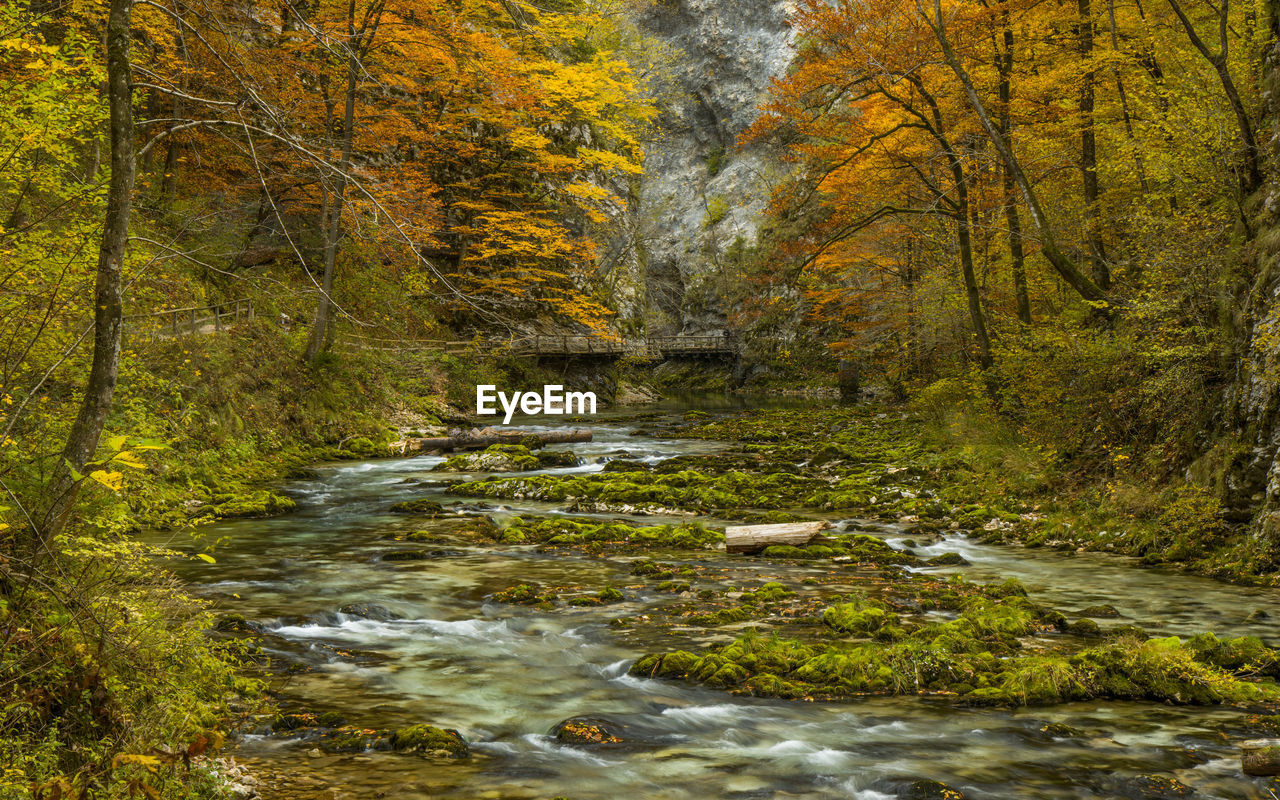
701,197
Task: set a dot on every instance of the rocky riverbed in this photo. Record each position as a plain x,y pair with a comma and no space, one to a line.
577,630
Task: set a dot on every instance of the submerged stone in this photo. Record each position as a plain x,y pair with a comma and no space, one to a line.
1101,611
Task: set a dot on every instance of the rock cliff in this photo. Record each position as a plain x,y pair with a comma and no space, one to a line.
702,194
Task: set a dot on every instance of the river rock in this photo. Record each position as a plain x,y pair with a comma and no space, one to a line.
1260,757
424,507
924,790
1084,627
1151,787
586,731
419,555
553,459
1061,730
428,740
369,611
496,458
948,560
1102,611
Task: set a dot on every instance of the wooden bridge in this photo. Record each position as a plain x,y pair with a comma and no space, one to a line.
186,321
199,320
649,348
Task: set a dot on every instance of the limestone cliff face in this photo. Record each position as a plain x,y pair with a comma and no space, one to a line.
701,196
1245,465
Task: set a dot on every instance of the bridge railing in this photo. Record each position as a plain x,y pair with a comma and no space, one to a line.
187,321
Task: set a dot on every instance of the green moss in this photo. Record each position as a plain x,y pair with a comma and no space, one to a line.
860,617
571,532
424,507
669,665
771,592
978,657
524,594
430,740
725,616
258,503
346,740
495,458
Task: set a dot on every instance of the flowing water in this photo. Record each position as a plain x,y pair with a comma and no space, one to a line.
505,675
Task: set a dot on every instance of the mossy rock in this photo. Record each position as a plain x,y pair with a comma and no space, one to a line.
725,616
1061,730
586,731
372,611
669,665
771,592
429,740
495,458
553,459
859,617
626,465
361,446
287,723
234,623
260,503
990,696
419,555
930,790
1151,787
948,560
1084,627
527,594
423,507
346,740
1103,611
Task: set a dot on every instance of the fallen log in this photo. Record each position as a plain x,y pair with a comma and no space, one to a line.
754,538
480,439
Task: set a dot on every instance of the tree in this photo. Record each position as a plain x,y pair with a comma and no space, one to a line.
82,441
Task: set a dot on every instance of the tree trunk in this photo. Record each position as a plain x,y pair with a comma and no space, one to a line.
320,334
82,440
972,294
1017,256
754,538
1089,148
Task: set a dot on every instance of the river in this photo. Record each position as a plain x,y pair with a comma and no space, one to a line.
504,675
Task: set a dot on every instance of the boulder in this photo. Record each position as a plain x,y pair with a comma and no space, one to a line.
586,731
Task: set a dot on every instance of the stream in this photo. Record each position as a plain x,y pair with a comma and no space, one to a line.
504,675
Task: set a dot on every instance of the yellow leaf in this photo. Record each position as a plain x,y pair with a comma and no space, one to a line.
116,442
111,480
206,557
129,460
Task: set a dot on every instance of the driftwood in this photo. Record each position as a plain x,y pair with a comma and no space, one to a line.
480,439
754,538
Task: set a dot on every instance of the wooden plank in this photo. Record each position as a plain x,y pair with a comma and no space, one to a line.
754,538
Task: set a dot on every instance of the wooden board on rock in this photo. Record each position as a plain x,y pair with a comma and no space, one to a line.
754,538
